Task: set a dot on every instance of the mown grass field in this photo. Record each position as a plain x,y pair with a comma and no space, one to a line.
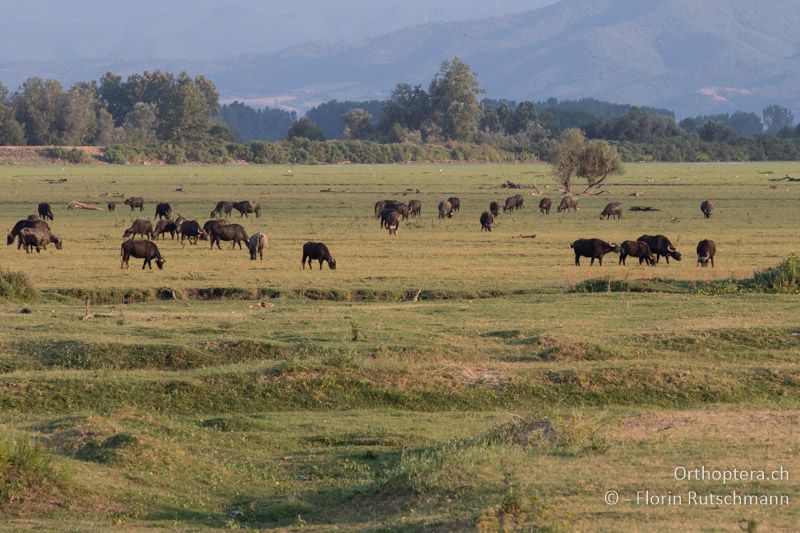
501,399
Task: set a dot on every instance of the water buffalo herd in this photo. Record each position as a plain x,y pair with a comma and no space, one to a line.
34,233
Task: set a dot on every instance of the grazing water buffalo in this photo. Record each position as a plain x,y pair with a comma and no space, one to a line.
141,250
380,205
222,208
544,206
228,232
112,206
707,207
163,210
246,207
392,221
567,203
141,227
191,230
445,209
414,208
455,202
257,243
163,227
636,249
661,246
317,251
487,219
513,203
45,212
592,248
494,208
134,202
36,238
22,224
706,250
612,210
210,223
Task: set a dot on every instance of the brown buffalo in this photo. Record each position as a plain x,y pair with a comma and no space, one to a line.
706,250
257,244
228,232
317,251
487,219
222,208
146,250
22,224
246,207
35,238
139,227
134,202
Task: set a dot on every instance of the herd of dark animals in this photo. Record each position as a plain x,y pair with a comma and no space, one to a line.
34,233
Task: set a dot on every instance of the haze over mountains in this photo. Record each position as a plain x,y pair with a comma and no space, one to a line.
693,57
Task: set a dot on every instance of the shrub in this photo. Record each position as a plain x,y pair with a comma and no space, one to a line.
25,468
16,286
782,279
70,155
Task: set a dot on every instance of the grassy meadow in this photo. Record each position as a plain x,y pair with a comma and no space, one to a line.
261,396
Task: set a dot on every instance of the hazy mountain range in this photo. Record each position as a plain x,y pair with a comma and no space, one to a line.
690,56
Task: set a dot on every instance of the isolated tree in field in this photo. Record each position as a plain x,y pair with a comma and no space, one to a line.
358,125
777,118
575,157
306,129
454,101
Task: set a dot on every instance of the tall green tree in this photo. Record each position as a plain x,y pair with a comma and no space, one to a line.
407,108
37,109
358,125
777,118
11,132
183,114
454,101
575,157
78,117
306,129
141,124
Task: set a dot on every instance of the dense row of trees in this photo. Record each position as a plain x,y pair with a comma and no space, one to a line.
178,117
144,109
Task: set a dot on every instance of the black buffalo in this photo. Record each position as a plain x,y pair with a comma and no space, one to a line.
414,208
455,202
146,250
45,212
494,208
257,244
487,219
134,202
228,232
544,206
317,251
22,224
191,230
247,207
707,207
445,209
661,246
592,248
163,227
514,202
567,203
392,221
35,238
636,249
139,227
112,206
222,208
706,250
163,210
612,210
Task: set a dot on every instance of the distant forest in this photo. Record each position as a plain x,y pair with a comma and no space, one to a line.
178,117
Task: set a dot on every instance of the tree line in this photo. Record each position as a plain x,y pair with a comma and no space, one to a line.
179,117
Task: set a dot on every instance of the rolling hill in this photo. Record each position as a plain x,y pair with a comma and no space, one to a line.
693,57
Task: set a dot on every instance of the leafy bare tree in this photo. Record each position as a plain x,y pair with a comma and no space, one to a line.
594,161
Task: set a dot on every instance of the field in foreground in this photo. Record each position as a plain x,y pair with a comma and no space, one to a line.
503,398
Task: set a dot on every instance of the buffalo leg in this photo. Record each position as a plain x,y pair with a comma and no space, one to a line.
712,262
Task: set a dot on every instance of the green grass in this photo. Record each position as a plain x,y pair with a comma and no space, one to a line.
514,393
